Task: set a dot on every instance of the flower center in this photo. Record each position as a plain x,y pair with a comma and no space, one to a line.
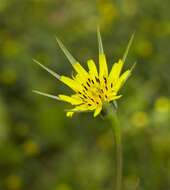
96,91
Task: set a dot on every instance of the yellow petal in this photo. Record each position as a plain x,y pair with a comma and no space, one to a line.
97,111
115,97
92,68
115,71
80,108
72,100
103,70
123,79
71,83
69,114
80,70
83,107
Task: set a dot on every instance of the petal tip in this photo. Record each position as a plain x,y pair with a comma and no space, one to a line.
69,114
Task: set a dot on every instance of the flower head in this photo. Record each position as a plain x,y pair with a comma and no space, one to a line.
92,88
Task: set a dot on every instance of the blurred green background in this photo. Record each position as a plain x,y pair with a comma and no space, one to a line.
41,149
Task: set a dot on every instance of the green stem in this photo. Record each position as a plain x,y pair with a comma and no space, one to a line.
118,151
112,116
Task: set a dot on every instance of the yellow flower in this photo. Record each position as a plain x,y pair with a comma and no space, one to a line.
91,89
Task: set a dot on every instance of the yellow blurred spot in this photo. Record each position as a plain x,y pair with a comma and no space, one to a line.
129,8
11,48
144,48
31,148
63,187
140,119
162,104
13,182
107,11
3,5
8,76
132,182
105,141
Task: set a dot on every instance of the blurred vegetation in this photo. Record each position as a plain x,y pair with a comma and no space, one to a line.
41,149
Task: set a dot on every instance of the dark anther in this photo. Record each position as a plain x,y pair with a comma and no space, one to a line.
97,79
92,81
89,80
79,92
111,85
97,102
100,96
85,87
91,99
105,79
89,104
84,96
105,96
88,84
101,90
106,88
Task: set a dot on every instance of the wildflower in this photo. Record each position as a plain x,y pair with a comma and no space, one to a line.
91,89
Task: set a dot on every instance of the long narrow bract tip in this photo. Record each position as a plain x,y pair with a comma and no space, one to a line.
47,69
128,47
45,94
65,51
101,51
133,66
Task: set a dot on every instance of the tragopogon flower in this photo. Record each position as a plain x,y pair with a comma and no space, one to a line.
92,88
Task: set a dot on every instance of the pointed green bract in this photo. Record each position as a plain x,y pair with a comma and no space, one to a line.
133,66
101,51
45,94
66,52
103,70
128,47
47,69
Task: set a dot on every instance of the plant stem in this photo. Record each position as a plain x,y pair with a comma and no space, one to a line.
112,116
118,151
